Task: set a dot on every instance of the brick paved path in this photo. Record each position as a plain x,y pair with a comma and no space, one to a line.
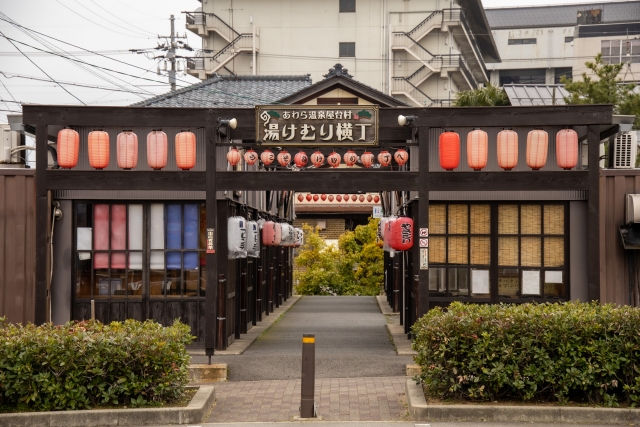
338,399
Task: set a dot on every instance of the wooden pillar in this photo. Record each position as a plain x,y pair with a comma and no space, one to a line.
211,277
593,214
423,216
42,221
415,261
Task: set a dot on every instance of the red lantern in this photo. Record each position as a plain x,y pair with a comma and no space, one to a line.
361,198
477,149
323,197
309,197
68,147
317,159
250,157
301,159
507,149
350,158
338,198
354,197
315,197
567,148
186,150
334,160
346,197
157,149
300,197
98,149
267,157
384,158
401,156
401,238
331,197
269,234
537,147
284,158
127,150
233,156
449,150
376,199
367,159
369,198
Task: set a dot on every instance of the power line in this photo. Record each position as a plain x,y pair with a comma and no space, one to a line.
111,22
142,29
11,75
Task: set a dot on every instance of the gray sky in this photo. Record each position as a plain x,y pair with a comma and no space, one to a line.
110,27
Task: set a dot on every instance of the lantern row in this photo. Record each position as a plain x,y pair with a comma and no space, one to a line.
317,158
127,149
354,197
244,237
507,145
395,234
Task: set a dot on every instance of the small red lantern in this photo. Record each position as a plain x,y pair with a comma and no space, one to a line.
449,150
331,197
367,159
315,197
301,159
300,197
68,148
233,156
567,148
376,199
269,237
317,159
507,149
333,159
369,198
401,156
346,197
323,197
339,198
309,197
157,149
477,149
354,197
537,147
127,150
267,157
186,150
361,198
350,158
250,157
98,149
401,238
284,158
384,158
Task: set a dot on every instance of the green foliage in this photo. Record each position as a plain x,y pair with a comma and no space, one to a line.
570,351
83,364
488,96
355,267
606,88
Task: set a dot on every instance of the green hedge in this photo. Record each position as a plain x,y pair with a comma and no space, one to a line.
558,352
82,364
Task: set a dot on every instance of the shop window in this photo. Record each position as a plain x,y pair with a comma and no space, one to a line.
347,6
620,51
562,72
523,76
347,50
522,41
568,39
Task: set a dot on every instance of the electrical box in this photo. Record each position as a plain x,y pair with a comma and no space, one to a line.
9,140
633,208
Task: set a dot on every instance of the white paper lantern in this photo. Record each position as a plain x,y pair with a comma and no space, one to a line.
237,237
253,239
288,235
299,237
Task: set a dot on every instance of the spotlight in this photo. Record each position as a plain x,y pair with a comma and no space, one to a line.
405,120
232,123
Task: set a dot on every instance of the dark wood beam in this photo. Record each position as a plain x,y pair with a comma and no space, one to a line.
509,181
125,180
593,215
42,222
424,186
211,273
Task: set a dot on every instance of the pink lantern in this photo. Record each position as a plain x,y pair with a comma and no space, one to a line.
250,157
301,159
127,150
346,197
361,198
186,150
284,158
300,197
233,156
367,159
68,148
331,197
315,197
537,147
269,234
477,149
98,149
354,197
507,149
401,156
384,158
369,198
323,197
267,157
309,197
334,160
157,149
567,148
338,198
317,159
350,158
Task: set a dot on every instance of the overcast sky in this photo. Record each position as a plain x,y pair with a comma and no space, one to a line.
108,27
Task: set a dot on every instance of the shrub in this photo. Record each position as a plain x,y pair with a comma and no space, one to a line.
569,351
82,364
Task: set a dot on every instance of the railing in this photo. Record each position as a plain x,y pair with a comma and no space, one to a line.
195,63
195,18
242,42
455,15
423,28
401,39
402,85
221,27
420,75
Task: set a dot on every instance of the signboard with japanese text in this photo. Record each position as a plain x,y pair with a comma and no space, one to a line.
317,125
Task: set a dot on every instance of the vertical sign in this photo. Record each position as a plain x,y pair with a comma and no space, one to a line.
377,211
424,259
210,241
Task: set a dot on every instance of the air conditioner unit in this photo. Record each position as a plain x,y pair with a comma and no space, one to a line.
633,208
625,148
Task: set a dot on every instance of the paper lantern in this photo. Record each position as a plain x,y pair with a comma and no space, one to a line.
186,150
507,149
537,147
237,237
346,197
284,158
278,233
233,156
317,159
367,159
361,198
68,148
449,149
301,159
331,197
401,156
309,197
127,150
269,234
477,149
253,239
333,159
288,234
376,199
338,198
299,237
401,234
98,149
300,197
315,197
567,148
323,197
354,197
350,158
250,157
157,149
267,157
384,158
369,198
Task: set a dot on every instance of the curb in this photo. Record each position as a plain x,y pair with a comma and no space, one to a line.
203,373
195,412
420,411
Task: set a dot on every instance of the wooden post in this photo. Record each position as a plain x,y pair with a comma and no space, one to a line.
244,300
42,219
396,283
222,337
211,295
259,291
593,215
423,215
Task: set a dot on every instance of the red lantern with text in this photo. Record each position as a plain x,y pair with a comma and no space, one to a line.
384,158
507,149
477,149
401,238
309,197
127,150
250,157
338,198
233,156
317,159
537,147
186,150
333,159
401,156
367,159
68,148
98,149
301,159
284,158
157,149
350,158
300,197
449,148
267,157
323,197
331,197
315,197
567,148
376,199
361,198
369,198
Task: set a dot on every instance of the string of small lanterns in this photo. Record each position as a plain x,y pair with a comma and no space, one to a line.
339,198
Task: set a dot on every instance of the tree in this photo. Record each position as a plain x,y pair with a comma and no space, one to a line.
488,96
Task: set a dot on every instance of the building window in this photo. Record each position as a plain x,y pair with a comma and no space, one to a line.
347,50
619,51
524,76
522,41
568,39
560,72
347,6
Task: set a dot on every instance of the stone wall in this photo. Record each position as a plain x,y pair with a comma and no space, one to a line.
335,226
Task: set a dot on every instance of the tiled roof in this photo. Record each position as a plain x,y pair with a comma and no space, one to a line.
230,91
561,15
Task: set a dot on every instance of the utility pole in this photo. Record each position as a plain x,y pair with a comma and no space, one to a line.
171,54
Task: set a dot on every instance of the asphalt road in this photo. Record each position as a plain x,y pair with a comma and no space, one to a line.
351,341
387,424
